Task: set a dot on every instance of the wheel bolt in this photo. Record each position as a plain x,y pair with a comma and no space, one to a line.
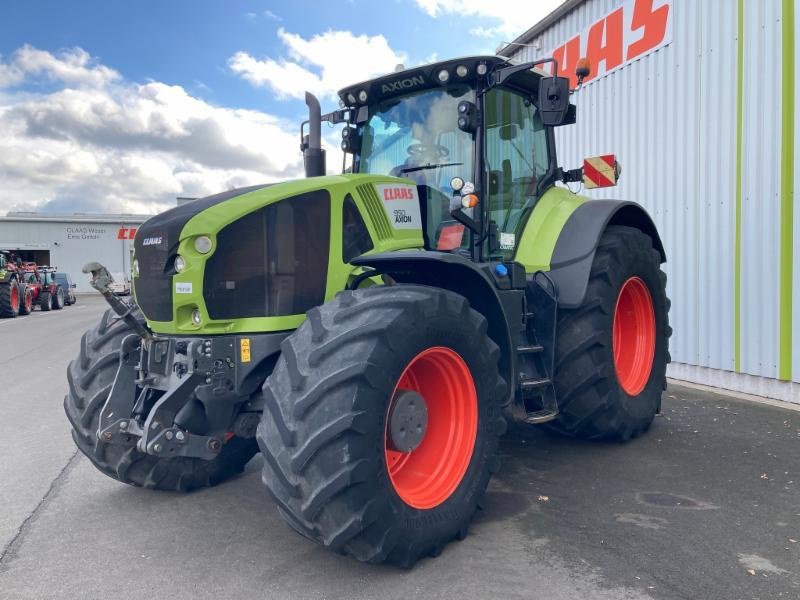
168,435
157,448
123,425
180,436
107,436
214,445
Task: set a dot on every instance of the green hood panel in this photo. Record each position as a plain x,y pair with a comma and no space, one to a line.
186,288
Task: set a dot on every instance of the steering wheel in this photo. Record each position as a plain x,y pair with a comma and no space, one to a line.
418,150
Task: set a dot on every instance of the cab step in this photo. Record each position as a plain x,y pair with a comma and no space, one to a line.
534,384
534,349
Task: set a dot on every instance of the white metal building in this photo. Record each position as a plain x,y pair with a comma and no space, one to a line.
70,241
698,100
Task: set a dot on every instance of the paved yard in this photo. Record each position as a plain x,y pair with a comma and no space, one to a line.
705,506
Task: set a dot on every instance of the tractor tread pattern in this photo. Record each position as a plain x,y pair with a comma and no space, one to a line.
6,308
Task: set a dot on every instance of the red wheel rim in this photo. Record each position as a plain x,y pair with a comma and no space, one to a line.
14,298
634,336
429,474
28,300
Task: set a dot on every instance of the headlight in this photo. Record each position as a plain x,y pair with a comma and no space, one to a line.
462,70
180,264
481,69
135,267
443,76
203,244
197,318
362,96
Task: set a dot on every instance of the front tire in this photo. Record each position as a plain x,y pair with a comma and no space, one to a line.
330,460
90,377
26,301
612,351
58,299
45,300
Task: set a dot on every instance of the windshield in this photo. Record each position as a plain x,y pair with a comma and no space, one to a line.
417,137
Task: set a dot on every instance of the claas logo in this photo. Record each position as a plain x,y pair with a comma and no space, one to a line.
631,31
126,233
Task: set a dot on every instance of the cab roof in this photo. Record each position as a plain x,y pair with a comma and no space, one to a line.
428,76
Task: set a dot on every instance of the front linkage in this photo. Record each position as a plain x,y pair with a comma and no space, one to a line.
174,396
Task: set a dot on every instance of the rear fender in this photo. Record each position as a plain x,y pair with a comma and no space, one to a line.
577,243
459,275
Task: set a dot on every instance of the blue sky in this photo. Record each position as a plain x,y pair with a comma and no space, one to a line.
120,106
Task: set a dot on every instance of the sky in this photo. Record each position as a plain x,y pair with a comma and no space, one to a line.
112,106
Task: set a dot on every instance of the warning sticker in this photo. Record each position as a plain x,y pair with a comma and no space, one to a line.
182,287
244,349
401,204
507,241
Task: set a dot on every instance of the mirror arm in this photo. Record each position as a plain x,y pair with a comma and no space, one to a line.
459,215
499,77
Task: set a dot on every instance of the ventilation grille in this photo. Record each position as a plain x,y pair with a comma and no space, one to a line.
375,210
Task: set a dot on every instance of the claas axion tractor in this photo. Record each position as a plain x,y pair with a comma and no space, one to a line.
372,333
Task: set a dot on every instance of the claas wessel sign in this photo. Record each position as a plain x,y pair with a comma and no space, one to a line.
632,31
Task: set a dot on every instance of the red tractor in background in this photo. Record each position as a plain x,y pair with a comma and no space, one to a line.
45,291
16,298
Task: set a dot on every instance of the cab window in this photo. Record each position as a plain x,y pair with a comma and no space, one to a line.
517,158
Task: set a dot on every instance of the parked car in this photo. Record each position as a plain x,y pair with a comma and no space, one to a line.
65,281
121,285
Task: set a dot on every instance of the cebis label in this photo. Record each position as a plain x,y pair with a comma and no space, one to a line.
401,203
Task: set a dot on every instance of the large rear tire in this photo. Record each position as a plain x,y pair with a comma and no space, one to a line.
331,460
612,351
9,299
90,376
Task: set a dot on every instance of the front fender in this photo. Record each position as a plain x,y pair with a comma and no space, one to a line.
459,275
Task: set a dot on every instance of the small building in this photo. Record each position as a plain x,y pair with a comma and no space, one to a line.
70,241
699,100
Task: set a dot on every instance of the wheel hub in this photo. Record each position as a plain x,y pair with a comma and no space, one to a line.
408,421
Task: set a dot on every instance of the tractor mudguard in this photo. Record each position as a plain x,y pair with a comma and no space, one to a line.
455,273
574,251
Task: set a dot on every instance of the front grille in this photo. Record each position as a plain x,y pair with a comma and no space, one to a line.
375,210
153,287
271,262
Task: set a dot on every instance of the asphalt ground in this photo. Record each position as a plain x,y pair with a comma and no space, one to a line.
705,506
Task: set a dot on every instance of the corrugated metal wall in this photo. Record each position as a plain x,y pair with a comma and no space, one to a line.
671,118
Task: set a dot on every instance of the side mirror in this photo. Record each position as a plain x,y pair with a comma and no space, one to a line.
554,100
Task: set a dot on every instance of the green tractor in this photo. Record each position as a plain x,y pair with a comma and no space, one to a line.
372,333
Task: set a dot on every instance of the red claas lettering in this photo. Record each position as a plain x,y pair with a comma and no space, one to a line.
636,23
398,193
652,22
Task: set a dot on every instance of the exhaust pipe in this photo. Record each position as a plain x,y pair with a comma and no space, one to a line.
313,154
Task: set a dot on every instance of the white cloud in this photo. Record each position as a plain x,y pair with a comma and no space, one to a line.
71,66
509,18
98,142
322,64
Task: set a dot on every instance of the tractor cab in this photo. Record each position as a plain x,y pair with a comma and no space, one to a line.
475,136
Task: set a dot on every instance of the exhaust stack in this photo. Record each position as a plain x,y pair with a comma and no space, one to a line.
313,154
